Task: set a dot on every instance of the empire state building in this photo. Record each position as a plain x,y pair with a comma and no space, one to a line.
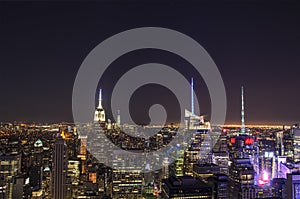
99,116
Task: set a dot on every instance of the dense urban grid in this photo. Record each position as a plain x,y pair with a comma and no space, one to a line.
52,161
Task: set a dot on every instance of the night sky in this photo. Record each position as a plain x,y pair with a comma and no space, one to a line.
254,43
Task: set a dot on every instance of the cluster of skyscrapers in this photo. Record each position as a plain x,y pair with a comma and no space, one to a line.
55,161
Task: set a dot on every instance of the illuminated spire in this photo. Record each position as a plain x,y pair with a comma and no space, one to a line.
243,128
100,94
99,112
118,118
192,96
100,99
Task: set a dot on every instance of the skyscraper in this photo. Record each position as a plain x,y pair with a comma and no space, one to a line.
242,176
10,167
35,170
59,168
73,175
244,167
296,143
127,178
99,112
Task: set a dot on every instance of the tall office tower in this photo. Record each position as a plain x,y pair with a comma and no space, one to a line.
293,186
244,157
199,151
72,181
241,185
220,154
279,143
38,153
177,167
288,144
35,170
82,152
296,136
10,167
201,146
47,182
83,140
244,145
193,121
99,116
59,173
127,177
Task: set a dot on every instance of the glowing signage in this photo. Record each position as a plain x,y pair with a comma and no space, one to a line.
265,179
249,141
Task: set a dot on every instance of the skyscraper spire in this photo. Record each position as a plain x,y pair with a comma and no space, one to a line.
243,128
99,112
118,118
192,96
100,99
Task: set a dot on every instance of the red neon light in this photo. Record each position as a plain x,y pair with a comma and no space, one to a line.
249,141
232,140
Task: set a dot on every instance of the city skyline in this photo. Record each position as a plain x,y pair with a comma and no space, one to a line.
150,99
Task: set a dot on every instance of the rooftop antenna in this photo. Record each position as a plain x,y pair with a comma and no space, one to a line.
192,96
243,128
100,99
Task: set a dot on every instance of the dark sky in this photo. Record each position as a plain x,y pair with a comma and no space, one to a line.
254,43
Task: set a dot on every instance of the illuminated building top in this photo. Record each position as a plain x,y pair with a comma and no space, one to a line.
99,112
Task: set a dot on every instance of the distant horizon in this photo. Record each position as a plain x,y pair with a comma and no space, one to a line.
234,124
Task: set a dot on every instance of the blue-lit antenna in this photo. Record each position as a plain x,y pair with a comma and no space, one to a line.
243,128
192,96
100,99
100,94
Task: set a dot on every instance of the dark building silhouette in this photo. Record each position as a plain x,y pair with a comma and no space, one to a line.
59,169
